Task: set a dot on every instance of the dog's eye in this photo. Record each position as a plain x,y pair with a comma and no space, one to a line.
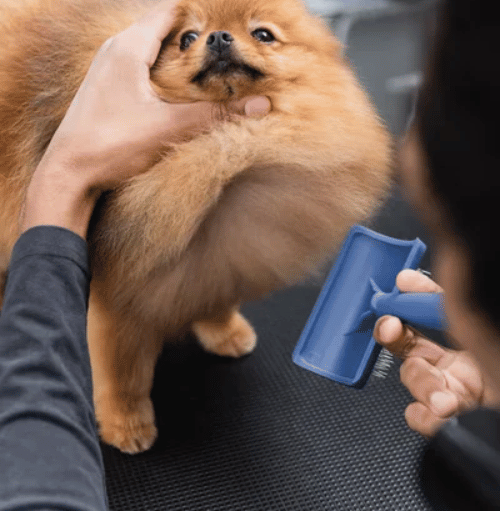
187,39
263,35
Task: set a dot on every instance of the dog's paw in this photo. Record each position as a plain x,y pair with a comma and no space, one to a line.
233,338
131,431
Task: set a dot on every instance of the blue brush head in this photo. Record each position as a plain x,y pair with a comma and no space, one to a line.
337,339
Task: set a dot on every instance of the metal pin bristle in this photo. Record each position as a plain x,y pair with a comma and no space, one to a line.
383,364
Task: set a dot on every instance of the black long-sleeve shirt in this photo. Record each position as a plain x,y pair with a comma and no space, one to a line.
49,451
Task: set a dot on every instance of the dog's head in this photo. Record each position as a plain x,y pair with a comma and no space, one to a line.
226,49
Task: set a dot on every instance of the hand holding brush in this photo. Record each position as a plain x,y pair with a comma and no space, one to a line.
443,382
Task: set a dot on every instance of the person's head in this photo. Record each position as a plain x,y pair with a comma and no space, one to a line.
451,171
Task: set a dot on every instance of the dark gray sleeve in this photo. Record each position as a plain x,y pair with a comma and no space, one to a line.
49,451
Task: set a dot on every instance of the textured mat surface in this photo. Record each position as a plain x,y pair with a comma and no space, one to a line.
262,434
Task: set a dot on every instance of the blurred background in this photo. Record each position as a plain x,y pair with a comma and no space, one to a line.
387,42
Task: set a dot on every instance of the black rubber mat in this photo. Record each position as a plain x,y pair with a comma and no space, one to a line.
263,434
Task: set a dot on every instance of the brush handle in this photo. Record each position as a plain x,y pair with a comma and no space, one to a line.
419,309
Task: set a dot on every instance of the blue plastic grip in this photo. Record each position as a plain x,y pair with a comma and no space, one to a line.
419,309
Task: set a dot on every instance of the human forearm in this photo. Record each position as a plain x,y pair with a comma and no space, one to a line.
48,437
59,196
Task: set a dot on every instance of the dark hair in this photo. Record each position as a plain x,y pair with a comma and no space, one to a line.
457,120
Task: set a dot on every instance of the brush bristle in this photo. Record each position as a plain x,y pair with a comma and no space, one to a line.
383,364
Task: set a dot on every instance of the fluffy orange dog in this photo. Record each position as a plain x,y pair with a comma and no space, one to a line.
254,205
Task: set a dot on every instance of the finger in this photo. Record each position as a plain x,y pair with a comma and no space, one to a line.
466,380
188,118
421,419
143,39
415,282
403,341
394,336
251,106
428,385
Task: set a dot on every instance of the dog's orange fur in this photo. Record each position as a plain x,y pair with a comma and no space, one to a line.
254,205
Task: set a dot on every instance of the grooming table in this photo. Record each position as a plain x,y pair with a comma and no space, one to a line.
260,433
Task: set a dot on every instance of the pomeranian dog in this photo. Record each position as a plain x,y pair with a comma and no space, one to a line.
251,206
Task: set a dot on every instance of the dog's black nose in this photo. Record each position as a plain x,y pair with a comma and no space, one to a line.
219,41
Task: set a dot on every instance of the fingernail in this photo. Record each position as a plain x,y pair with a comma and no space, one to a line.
257,106
443,403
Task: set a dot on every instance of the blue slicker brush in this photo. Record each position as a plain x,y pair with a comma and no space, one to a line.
337,340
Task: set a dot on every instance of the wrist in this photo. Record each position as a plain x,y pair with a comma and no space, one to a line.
56,196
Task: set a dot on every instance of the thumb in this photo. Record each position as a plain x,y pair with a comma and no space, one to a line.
187,119
404,342
251,106
394,336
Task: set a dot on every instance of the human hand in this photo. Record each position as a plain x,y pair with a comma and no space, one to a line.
444,382
116,127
